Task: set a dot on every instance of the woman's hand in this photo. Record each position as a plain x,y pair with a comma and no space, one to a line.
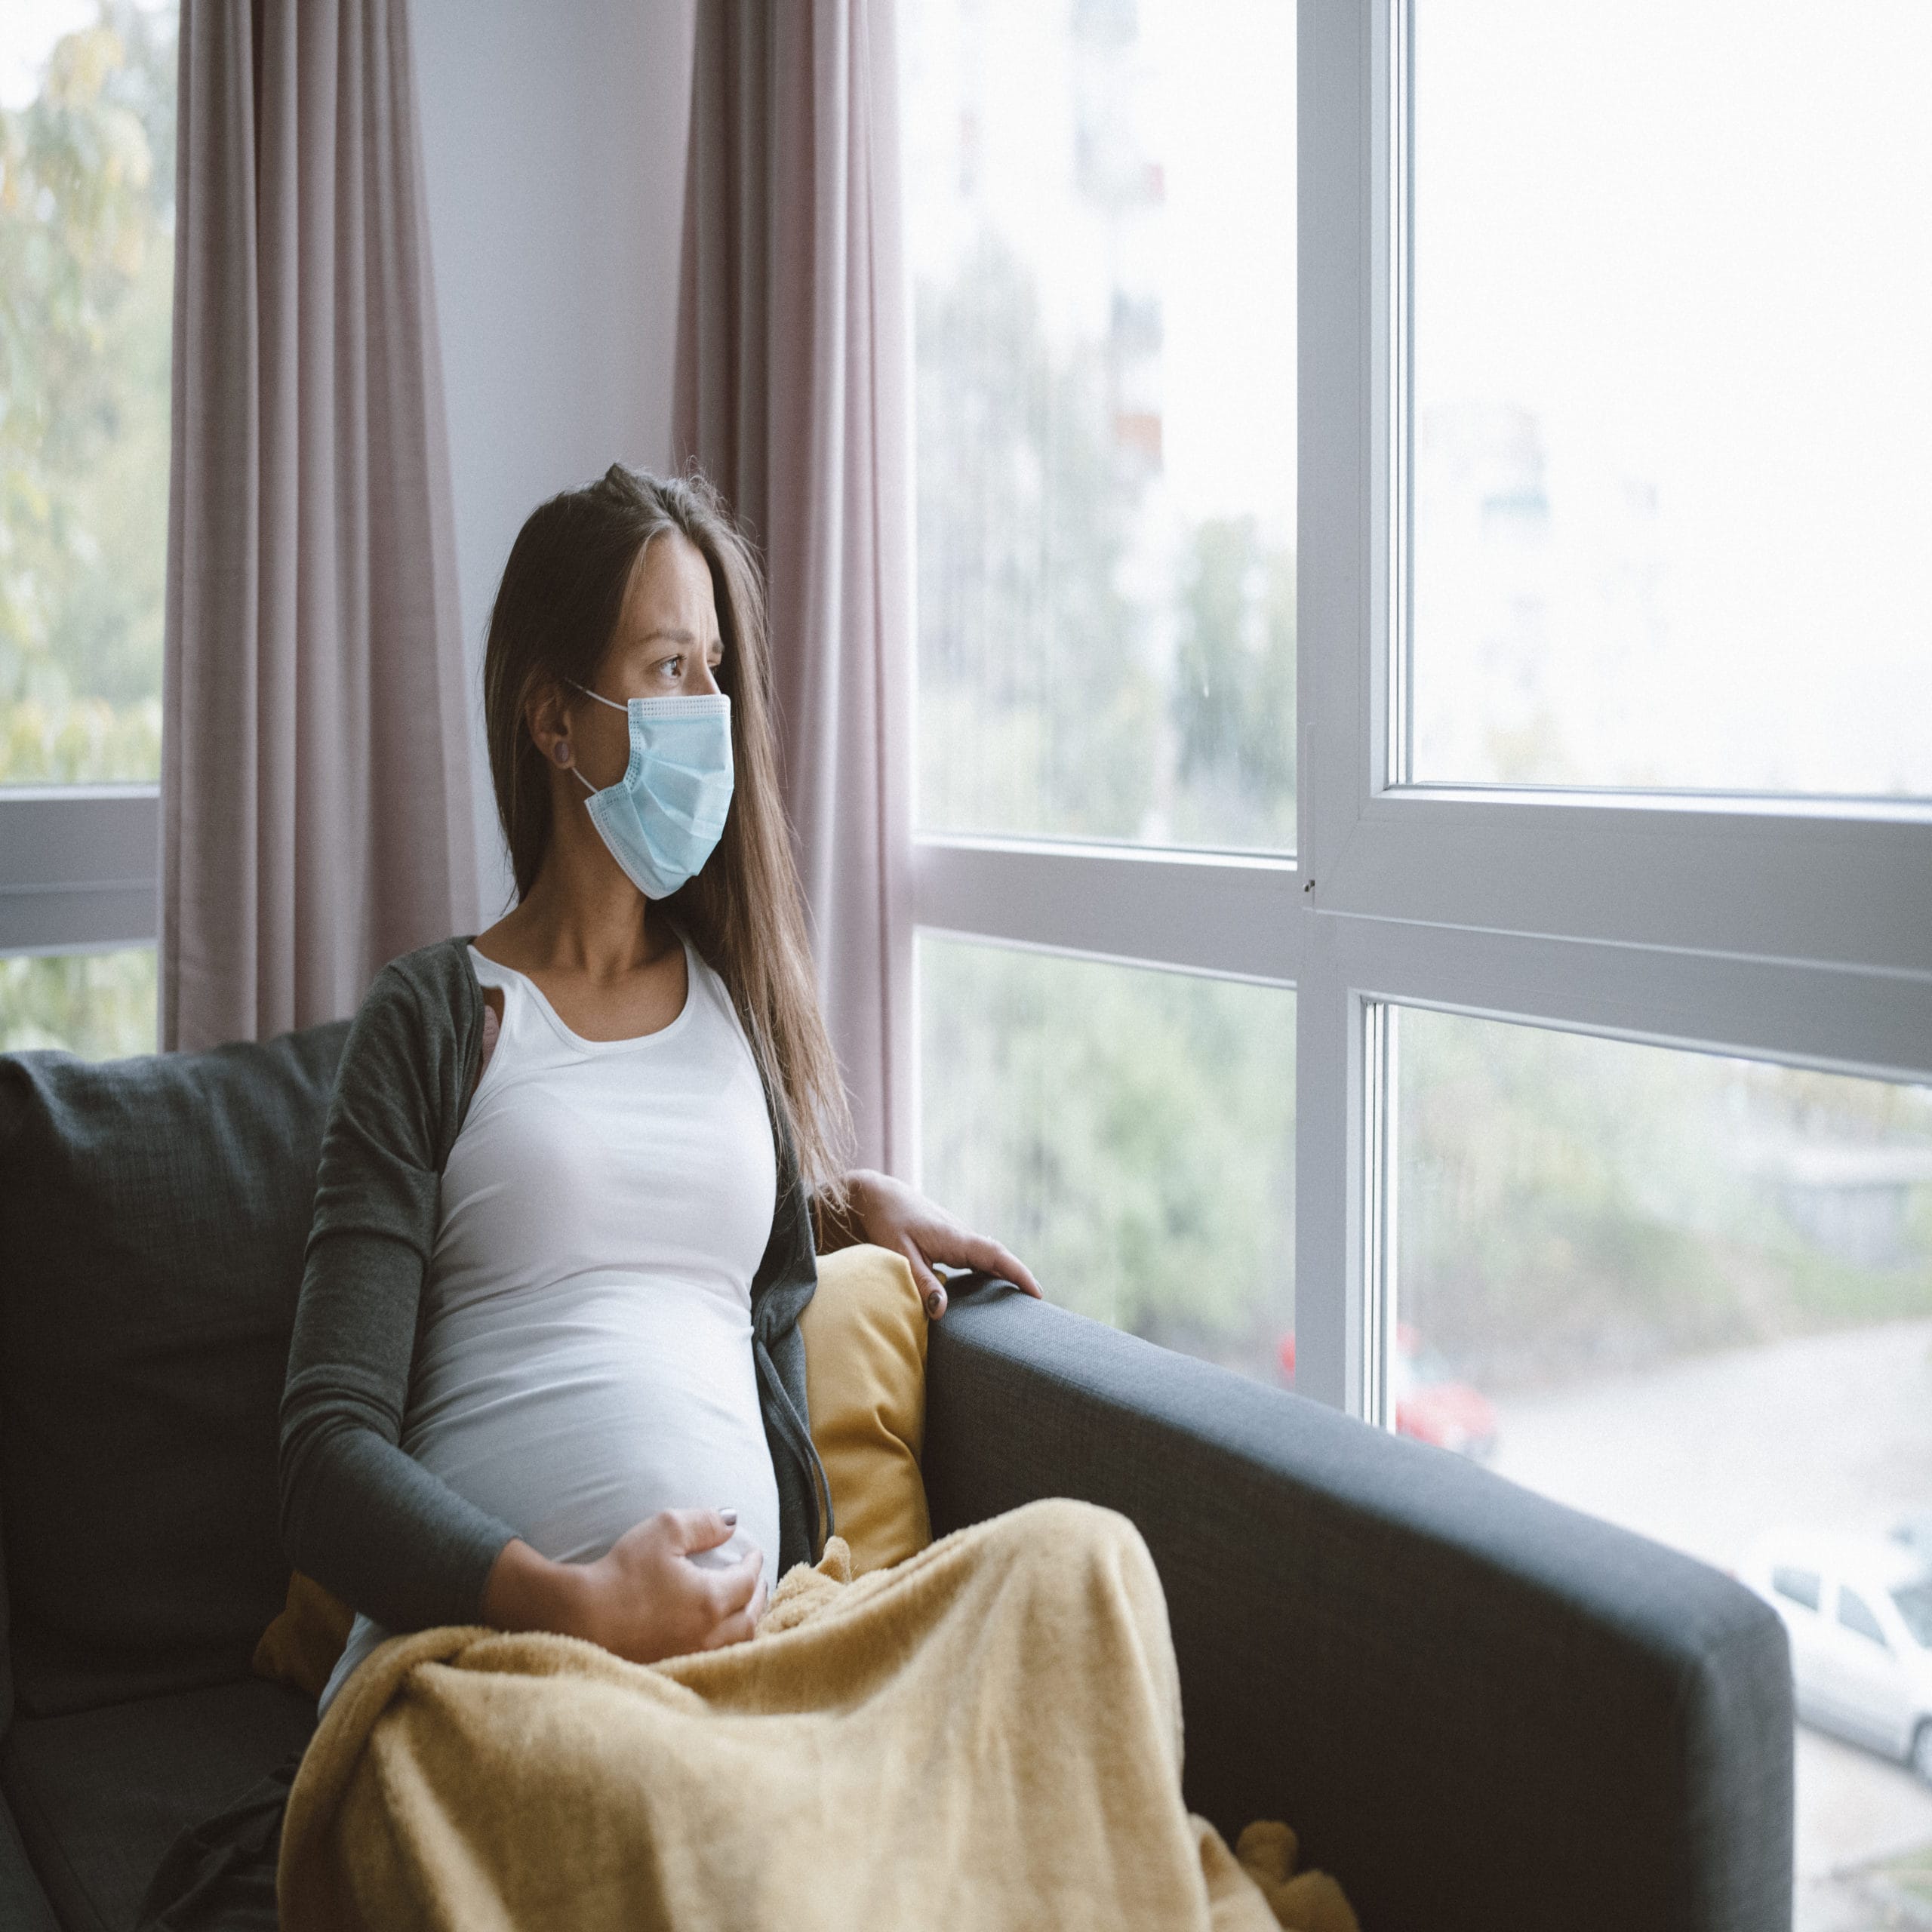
890,1214
643,1599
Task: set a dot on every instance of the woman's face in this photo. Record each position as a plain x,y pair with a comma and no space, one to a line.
667,645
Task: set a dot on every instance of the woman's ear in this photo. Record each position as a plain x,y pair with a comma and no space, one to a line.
546,717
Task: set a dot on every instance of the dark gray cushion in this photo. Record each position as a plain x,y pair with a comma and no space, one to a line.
23,1905
101,1794
152,1217
1481,1710
6,1633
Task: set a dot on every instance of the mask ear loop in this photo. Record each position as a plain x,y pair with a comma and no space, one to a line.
591,788
600,699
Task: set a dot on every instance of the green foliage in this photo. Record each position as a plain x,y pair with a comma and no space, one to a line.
1042,706
86,281
1129,1132
1037,713
1568,1205
100,1005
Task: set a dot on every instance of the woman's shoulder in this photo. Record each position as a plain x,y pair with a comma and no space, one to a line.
426,976
406,1067
420,1005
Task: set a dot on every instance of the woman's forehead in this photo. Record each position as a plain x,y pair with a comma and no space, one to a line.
670,588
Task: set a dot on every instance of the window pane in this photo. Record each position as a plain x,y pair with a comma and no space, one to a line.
1695,1296
1672,407
1129,1134
100,1005
87,259
1100,219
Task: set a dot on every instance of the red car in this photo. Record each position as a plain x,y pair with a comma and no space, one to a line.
1431,1404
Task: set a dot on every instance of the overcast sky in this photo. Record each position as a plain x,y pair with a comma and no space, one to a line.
1694,237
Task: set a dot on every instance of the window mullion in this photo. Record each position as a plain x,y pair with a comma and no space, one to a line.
1350,411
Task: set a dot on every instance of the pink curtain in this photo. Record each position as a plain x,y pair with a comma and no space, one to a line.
792,396
316,811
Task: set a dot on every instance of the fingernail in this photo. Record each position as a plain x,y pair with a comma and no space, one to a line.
934,1303
730,1516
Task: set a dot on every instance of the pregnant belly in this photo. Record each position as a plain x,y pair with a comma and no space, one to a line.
573,1412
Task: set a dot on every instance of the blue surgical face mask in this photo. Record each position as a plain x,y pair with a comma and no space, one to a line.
664,817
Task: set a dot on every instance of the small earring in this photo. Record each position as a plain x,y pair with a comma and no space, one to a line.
561,752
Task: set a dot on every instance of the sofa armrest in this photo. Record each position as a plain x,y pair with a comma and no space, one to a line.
1478,1708
24,1906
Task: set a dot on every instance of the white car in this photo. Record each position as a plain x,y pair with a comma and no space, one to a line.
1859,1612
1916,1532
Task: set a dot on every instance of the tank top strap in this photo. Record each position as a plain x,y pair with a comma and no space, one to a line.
493,978
513,1028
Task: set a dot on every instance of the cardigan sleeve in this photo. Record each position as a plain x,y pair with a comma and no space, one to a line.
364,1519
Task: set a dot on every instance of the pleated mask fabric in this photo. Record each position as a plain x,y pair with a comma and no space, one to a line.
663,820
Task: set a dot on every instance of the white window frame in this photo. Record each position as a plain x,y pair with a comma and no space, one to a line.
1788,929
79,867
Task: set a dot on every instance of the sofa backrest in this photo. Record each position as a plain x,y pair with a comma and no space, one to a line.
152,1217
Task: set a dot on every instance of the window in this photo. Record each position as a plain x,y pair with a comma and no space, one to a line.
1801,1586
1695,1291
1672,407
1100,202
87,187
1856,1614
1593,591
1130,1133
100,1005
1602,897
87,251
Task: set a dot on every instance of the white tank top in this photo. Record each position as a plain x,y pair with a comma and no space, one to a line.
584,1358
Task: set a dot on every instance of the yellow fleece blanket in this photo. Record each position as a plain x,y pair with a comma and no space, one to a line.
987,1736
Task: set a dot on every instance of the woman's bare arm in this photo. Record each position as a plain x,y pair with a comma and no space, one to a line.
888,1214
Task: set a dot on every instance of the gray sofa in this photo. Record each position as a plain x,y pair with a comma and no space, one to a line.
1480,1710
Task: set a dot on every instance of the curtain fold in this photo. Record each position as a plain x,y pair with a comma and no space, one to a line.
315,783
793,394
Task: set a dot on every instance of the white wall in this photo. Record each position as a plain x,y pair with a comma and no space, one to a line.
553,141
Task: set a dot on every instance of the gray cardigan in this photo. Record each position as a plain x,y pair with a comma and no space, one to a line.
360,1516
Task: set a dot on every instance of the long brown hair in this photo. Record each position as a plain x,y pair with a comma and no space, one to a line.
556,612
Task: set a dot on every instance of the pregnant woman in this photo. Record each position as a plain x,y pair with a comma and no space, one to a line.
547,1377
546,1372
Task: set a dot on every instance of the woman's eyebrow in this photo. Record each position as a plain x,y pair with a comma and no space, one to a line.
672,635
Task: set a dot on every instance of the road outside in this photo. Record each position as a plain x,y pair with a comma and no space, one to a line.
1831,1431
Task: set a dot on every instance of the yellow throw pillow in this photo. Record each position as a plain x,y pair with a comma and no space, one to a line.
864,1335
299,1648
